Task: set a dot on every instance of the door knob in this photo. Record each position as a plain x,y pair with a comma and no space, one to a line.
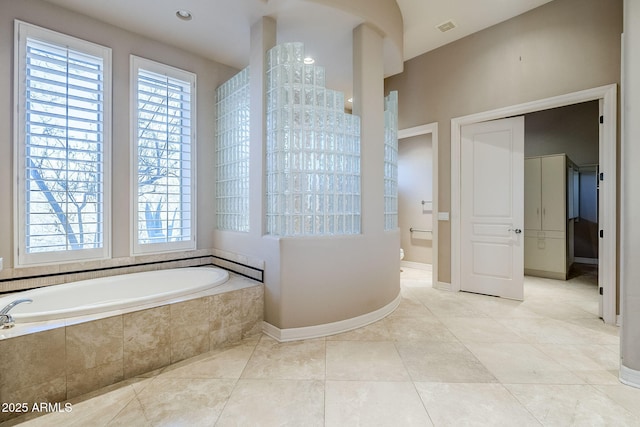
516,230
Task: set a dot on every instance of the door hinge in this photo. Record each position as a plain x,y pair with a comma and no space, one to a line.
601,119
601,234
601,291
601,176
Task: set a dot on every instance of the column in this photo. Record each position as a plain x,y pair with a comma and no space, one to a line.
263,38
630,198
368,103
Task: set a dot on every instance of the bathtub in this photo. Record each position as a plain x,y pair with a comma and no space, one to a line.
106,294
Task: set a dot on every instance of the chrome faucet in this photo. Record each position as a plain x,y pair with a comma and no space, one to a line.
6,320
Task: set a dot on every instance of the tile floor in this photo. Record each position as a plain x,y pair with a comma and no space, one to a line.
440,359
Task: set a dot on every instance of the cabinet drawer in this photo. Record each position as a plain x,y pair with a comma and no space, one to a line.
545,254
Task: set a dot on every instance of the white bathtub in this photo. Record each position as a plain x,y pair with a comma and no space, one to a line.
112,293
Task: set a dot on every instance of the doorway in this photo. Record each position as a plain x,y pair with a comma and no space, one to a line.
606,96
428,132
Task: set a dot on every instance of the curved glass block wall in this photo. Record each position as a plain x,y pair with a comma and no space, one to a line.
391,161
313,151
232,134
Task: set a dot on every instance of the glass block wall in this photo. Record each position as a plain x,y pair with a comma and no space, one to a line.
313,151
232,153
391,161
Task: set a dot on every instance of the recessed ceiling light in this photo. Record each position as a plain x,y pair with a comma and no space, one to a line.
185,15
309,60
446,26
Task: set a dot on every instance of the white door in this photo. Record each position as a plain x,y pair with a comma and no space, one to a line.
492,208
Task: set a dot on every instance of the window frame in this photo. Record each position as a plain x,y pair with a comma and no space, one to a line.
22,32
137,63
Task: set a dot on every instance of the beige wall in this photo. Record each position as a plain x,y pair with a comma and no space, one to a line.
209,75
572,130
561,47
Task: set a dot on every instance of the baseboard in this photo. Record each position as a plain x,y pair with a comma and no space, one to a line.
629,376
546,274
580,260
416,265
317,331
442,286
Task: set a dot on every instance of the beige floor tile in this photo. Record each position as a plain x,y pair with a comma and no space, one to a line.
442,362
365,361
131,415
377,331
410,307
571,405
473,405
94,409
227,363
360,403
598,377
185,401
521,363
293,360
480,329
426,329
581,357
449,304
257,402
624,395
552,331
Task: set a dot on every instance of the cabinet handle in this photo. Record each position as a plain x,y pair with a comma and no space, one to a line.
515,230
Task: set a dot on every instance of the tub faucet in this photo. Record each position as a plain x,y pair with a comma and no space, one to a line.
6,320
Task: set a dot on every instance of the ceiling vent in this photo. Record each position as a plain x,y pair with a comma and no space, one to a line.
446,26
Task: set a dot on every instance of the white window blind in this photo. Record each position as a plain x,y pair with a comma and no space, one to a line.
163,157
62,147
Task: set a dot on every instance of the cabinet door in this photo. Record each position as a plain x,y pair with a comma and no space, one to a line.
532,194
554,197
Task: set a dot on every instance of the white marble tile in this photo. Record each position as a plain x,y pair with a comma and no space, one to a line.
362,403
473,405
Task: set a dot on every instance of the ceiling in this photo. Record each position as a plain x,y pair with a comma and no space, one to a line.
219,29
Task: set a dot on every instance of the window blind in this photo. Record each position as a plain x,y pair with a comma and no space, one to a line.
64,148
164,158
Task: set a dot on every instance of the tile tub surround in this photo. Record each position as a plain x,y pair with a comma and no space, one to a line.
75,359
17,279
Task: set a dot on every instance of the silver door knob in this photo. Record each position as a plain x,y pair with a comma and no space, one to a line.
516,230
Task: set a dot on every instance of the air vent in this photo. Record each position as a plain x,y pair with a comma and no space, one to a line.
446,26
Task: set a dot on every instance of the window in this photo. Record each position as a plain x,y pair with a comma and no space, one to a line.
62,130
163,101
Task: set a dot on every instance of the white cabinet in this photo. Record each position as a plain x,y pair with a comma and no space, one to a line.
545,216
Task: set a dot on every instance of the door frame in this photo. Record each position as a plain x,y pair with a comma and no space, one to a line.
608,197
431,128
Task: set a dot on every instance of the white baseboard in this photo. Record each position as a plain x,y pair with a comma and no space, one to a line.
629,376
416,265
580,260
317,331
442,286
